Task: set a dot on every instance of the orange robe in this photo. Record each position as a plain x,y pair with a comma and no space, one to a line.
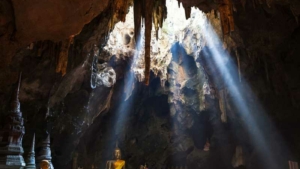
119,164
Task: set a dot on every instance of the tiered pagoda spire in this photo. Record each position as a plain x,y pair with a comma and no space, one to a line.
30,161
11,135
44,152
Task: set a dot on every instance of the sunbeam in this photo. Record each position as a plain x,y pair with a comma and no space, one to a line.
125,102
189,46
241,95
130,79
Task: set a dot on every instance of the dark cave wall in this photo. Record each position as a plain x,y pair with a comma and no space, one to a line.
67,97
270,65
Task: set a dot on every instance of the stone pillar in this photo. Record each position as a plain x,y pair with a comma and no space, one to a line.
11,136
30,161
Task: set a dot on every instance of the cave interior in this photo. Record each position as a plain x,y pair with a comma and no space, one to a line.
158,84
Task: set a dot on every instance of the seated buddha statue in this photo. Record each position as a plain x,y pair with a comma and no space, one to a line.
117,163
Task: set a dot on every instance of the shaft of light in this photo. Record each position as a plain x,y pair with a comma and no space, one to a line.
124,107
222,61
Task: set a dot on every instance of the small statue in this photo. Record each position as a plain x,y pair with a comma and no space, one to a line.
44,164
206,146
117,163
143,167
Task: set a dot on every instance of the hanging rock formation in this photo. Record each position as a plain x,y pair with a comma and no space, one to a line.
153,12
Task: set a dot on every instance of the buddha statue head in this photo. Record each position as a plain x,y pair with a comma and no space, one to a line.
45,164
117,152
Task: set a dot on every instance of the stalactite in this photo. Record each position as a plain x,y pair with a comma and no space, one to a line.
243,2
62,63
239,64
159,14
118,12
222,104
137,19
31,46
226,14
269,2
253,3
155,12
187,10
156,16
234,8
40,49
121,8
148,27
151,12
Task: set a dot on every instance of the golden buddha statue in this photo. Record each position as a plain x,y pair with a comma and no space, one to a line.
117,163
45,164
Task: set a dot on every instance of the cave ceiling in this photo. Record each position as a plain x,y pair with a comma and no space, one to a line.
24,22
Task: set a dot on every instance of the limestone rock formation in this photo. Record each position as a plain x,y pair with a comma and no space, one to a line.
187,102
176,28
106,75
